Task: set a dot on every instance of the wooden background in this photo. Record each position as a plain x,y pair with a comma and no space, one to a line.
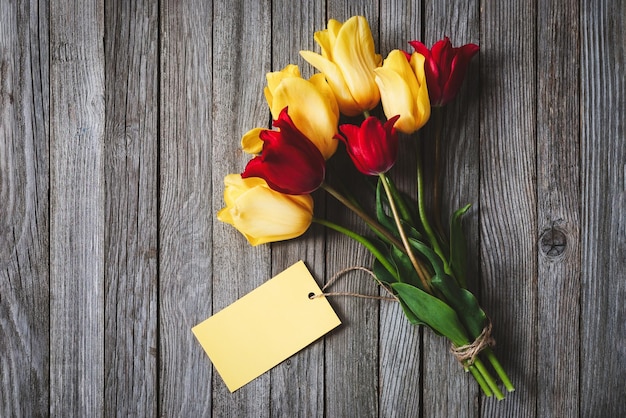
119,120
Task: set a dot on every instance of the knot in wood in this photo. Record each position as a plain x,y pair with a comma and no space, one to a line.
553,242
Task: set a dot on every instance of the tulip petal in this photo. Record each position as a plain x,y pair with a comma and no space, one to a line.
372,147
251,141
261,214
334,76
310,112
319,81
354,53
289,163
445,68
396,98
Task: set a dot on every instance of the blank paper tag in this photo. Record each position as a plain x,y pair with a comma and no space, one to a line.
266,326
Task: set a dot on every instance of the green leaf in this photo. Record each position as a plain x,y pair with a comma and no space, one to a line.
382,273
414,320
463,302
429,254
458,247
405,267
381,215
433,312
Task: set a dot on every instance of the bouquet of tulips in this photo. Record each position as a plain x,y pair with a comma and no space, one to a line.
271,200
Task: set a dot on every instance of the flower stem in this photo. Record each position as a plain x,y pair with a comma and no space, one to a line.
480,380
423,216
418,268
499,370
364,241
489,379
377,227
438,114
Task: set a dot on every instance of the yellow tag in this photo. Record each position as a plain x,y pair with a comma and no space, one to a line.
266,326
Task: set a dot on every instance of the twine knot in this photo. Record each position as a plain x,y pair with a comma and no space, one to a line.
466,354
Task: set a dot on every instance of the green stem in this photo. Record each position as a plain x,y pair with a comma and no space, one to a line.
438,114
418,268
480,380
490,380
404,210
366,114
361,213
423,216
499,370
364,241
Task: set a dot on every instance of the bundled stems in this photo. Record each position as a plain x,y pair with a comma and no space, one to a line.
421,272
367,244
361,213
418,268
499,370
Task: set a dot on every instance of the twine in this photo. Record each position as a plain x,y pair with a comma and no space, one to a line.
357,295
466,354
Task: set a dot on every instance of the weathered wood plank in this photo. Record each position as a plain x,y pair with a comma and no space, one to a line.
508,209
297,385
24,221
558,199
399,341
185,213
603,230
76,208
131,80
448,391
352,350
241,57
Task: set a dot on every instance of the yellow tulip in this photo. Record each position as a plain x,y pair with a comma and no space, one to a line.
261,214
311,105
403,90
251,141
348,59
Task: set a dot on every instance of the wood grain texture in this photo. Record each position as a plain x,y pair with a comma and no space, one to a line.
119,121
400,373
185,212
297,385
558,206
508,207
447,390
352,360
603,230
76,208
24,221
131,82
241,57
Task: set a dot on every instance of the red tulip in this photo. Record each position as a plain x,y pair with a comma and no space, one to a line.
289,162
445,68
373,147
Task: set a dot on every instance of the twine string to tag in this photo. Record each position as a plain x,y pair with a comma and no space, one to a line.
466,354
353,294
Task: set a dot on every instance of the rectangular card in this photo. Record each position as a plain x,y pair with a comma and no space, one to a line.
266,326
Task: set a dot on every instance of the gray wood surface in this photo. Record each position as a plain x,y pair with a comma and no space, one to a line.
119,121
77,207
131,147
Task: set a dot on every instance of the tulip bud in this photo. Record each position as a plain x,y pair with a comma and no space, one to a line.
403,90
261,214
289,162
445,68
348,59
373,147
